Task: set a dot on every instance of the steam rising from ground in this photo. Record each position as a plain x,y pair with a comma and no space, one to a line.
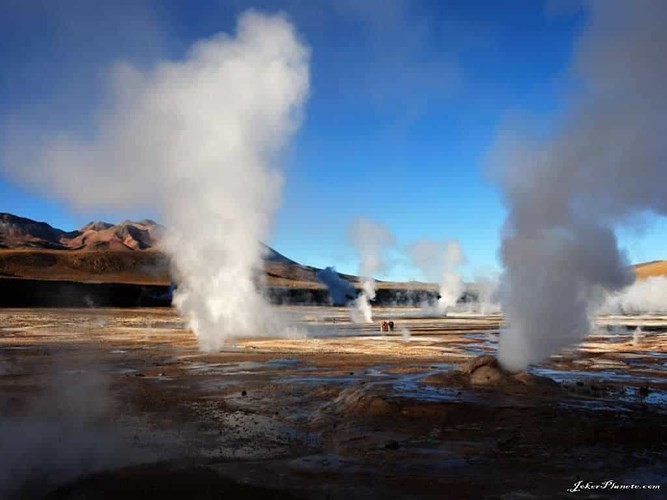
440,261
341,291
604,164
486,289
198,139
648,296
63,432
371,240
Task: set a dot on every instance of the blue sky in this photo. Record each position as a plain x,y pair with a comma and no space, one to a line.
406,100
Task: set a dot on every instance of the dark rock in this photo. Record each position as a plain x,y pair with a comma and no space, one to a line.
392,444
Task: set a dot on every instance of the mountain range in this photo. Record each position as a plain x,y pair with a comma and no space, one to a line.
128,252
20,232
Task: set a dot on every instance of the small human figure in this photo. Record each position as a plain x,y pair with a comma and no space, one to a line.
391,326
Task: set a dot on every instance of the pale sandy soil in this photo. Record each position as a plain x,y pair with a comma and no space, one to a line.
121,404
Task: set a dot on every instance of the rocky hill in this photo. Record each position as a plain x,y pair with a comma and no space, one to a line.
19,232
653,268
127,252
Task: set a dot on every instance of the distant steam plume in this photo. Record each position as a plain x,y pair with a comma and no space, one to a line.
647,296
439,261
605,163
487,290
199,140
341,291
371,240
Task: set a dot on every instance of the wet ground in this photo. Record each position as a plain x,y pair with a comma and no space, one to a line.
102,403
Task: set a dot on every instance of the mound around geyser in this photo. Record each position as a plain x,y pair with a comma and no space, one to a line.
485,372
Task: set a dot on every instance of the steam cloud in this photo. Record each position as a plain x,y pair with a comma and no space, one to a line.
439,261
371,240
199,140
647,296
487,288
341,291
604,165
61,433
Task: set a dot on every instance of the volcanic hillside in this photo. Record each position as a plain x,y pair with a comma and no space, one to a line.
649,269
19,232
119,253
128,253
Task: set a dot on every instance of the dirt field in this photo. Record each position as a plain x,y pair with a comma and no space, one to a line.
119,403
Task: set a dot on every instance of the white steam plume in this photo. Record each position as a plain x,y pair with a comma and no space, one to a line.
340,290
199,140
371,240
648,296
486,288
439,261
605,163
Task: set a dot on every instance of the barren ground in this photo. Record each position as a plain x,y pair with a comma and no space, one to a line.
102,403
